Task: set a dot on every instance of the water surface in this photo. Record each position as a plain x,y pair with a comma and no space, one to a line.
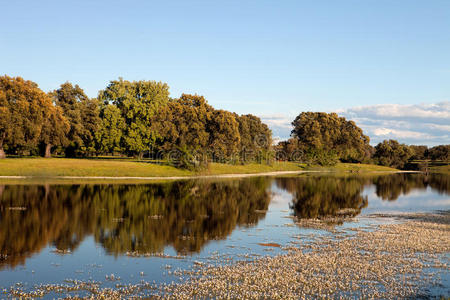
50,233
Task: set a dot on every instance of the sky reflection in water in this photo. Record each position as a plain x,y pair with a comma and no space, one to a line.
101,225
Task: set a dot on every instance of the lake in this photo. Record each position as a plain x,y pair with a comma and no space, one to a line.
124,234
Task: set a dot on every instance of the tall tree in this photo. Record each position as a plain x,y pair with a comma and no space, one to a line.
255,137
83,116
90,116
419,152
5,120
54,130
138,101
392,153
110,134
441,152
25,107
182,123
224,135
69,97
327,132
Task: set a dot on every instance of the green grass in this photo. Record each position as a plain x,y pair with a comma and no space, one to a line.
54,167
348,167
50,167
216,168
441,169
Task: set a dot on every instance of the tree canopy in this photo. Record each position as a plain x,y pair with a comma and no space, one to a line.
28,116
137,101
327,133
392,153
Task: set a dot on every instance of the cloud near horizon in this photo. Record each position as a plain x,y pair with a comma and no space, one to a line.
424,124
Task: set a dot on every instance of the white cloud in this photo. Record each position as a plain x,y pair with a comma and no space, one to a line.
412,124
401,134
438,111
279,124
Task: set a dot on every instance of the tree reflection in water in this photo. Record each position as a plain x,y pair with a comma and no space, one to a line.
146,218
122,218
327,197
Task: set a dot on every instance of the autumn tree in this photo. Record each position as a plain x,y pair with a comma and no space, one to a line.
327,133
138,101
54,130
393,154
5,120
24,109
183,123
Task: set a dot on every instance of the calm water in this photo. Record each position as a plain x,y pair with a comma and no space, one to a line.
50,233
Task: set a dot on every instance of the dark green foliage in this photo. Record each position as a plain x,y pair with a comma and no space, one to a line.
441,152
321,157
419,152
393,154
83,116
255,139
325,138
325,197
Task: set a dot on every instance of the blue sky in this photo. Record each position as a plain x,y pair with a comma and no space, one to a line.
270,58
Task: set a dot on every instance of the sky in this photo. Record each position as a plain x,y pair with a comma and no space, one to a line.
384,64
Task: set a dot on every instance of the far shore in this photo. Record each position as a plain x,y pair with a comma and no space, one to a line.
275,173
130,169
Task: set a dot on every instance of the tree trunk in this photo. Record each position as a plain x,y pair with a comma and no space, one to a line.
48,151
47,190
2,152
141,155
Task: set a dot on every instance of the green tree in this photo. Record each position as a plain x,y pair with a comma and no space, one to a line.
110,132
138,101
441,152
255,138
321,133
393,154
90,115
83,116
419,152
224,135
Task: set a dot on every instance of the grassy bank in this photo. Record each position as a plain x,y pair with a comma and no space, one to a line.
354,168
441,169
52,167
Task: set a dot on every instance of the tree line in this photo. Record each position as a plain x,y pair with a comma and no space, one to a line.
137,118
129,118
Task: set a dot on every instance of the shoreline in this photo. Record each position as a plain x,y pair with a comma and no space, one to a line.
216,176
